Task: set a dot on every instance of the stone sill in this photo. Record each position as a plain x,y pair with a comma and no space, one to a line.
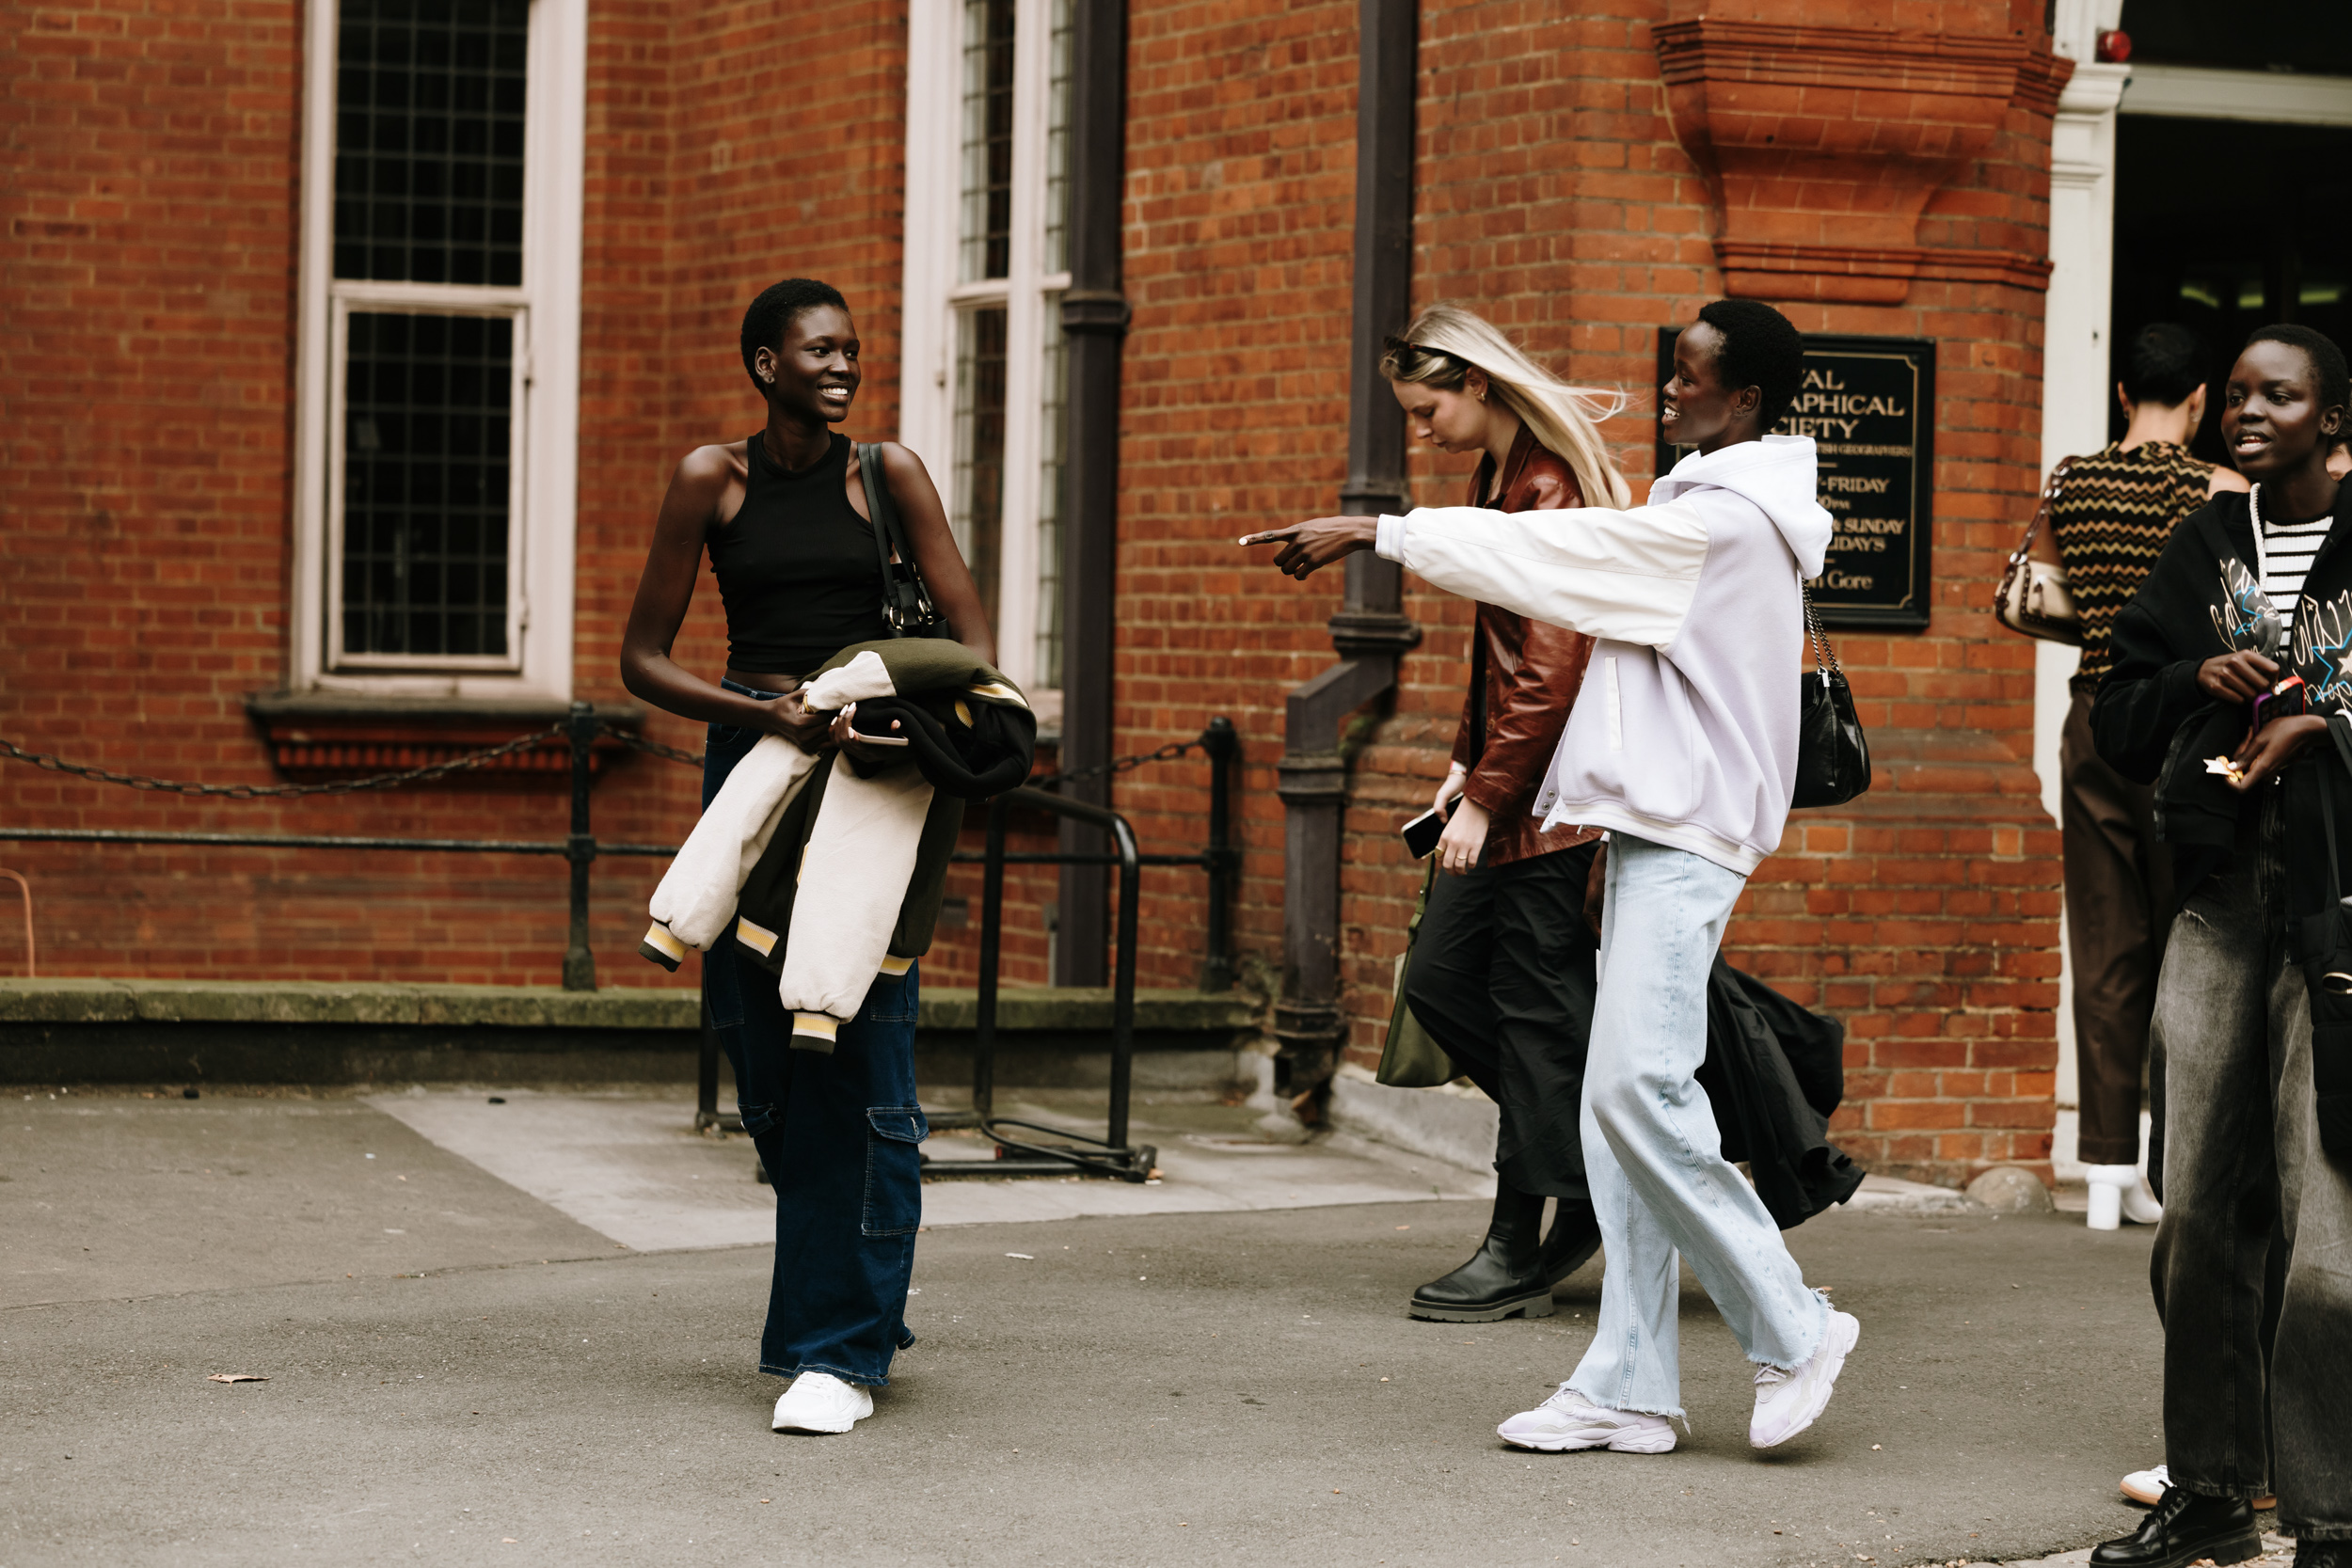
374,1005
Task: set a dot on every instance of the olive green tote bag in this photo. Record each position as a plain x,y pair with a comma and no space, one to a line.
1411,1059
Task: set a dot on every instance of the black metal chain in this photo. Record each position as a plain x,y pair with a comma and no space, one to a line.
50,763
1168,753
43,760
636,742
1118,765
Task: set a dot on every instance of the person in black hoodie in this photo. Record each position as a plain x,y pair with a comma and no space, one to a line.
2231,690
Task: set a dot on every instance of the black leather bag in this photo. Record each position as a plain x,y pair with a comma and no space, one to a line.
906,598
1832,755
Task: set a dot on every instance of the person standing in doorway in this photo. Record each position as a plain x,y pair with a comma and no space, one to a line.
2232,692
2112,514
1683,745
1501,973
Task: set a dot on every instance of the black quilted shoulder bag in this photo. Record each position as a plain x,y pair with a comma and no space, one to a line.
1832,755
906,597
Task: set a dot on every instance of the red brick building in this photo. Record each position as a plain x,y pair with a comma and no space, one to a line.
349,343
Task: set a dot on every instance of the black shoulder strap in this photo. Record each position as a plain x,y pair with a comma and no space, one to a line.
885,521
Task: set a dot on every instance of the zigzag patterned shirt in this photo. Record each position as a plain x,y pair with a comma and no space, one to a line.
2112,515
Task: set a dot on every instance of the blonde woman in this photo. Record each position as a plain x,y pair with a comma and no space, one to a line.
1503,972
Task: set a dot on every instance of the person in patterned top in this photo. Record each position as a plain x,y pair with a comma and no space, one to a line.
2110,518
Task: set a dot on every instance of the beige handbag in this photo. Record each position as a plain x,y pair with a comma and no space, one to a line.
2033,598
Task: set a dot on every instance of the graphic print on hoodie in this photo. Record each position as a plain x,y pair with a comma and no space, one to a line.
1685,730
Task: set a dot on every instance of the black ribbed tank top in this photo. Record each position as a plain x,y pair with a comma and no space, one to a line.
795,567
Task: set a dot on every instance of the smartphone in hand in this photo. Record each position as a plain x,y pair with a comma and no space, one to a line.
1421,833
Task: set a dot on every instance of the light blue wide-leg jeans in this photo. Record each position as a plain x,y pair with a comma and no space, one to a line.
1660,1181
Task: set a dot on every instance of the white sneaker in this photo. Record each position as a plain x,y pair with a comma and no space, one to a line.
1788,1402
2147,1487
2119,1192
1570,1420
819,1402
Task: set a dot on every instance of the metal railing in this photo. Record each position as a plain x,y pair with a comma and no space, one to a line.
1019,1152
581,729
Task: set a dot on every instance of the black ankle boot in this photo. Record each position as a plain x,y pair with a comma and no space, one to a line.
1574,1237
2181,1527
1505,1276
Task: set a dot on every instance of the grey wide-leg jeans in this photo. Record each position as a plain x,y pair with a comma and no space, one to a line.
2241,1151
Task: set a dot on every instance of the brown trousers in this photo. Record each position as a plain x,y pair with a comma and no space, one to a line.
2119,898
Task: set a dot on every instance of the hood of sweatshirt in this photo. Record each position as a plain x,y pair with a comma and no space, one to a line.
1778,474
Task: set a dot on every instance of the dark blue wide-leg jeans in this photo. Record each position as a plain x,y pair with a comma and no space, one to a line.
838,1135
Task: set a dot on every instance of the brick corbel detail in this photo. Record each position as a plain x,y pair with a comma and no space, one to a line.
1825,143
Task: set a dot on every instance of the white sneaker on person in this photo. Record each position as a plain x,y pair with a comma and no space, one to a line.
819,1402
2147,1487
1570,1420
1788,1402
2118,1193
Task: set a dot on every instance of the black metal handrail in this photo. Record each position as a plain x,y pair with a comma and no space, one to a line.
1021,1156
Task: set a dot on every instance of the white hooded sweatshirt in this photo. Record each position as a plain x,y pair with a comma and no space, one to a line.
1685,730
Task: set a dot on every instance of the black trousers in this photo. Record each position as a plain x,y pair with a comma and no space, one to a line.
1502,977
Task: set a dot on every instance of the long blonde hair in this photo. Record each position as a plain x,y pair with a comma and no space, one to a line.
1446,342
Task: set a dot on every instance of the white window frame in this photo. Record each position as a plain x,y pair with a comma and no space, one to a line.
545,307
935,299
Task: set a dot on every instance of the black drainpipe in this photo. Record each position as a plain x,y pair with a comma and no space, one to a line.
1370,632
1094,326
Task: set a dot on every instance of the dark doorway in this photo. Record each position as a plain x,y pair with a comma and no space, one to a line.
2225,226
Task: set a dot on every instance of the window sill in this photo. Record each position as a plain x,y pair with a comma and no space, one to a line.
316,735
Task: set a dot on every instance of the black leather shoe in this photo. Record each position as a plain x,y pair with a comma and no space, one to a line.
1512,1274
2323,1553
2181,1527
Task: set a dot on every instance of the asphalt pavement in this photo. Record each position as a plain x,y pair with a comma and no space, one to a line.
458,1372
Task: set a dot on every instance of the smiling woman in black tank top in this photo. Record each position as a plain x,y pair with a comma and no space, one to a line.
785,517
800,350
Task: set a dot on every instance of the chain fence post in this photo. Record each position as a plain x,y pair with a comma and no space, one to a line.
580,963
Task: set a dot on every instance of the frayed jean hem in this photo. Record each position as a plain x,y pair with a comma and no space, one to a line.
859,1379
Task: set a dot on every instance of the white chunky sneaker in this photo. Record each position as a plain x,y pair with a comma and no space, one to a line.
2119,1192
2147,1487
819,1402
1570,1420
1788,1402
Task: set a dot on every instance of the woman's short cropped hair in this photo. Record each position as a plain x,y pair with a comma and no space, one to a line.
1762,348
2328,366
2165,364
1446,342
775,311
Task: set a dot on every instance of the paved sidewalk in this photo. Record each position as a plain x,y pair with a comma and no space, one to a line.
460,1371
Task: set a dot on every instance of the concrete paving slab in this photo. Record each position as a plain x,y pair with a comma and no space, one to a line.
1204,1388
626,1164
630,1166
131,1194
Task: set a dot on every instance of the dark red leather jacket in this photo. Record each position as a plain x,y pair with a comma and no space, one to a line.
1524,676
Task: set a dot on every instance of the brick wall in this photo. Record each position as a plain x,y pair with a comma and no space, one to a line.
151,272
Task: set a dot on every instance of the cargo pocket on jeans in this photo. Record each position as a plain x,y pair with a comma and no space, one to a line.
894,1169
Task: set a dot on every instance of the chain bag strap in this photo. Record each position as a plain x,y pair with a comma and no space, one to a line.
2034,599
1832,754
906,597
